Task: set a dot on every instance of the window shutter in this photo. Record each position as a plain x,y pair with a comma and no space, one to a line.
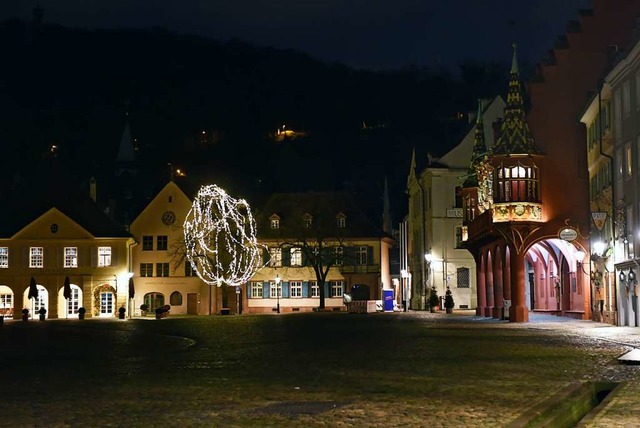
326,289
248,287
94,256
286,256
285,290
60,256
265,290
369,255
349,256
25,257
13,259
305,289
114,256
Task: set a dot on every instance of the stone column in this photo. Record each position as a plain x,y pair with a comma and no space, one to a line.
518,311
488,310
498,305
482,291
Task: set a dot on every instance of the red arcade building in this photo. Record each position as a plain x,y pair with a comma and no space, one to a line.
527,256
526,202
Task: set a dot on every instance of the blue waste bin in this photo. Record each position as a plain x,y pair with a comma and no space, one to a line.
387,300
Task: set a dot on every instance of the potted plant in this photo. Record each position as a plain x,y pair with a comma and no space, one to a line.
121,312
433,299
81,312
448,301
25,314
42,312
143,309
162,311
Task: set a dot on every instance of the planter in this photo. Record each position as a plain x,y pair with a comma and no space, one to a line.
25,315
121,313
449,310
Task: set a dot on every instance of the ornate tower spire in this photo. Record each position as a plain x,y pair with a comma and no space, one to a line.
515,136
479,150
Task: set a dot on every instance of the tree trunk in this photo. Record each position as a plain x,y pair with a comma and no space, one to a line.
322,296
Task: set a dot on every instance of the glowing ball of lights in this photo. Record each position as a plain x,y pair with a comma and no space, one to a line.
220,238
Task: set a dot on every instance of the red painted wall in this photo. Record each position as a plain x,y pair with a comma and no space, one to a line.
557,102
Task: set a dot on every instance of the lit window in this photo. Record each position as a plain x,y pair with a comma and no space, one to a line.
162,243
71,257
296,257
342,221
275,222
276,256
295,288
275,290
315,290
104,256
36,257
256,290
147,243
4,257
628,160
361,255
337,288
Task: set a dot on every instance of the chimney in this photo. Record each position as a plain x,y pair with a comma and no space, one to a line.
92,189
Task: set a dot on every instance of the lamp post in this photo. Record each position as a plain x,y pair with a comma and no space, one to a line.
277,293
428,257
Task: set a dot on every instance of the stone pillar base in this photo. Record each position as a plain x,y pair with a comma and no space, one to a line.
518,314
498,313
488,311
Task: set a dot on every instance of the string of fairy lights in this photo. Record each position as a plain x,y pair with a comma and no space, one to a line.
220,238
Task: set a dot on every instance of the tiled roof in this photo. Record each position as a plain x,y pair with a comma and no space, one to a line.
23,206
324,208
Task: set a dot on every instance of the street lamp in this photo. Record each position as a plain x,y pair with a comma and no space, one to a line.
277,293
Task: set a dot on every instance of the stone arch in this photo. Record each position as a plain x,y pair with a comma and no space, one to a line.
98,309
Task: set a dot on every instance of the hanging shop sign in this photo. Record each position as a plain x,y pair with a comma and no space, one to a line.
568,234
599,219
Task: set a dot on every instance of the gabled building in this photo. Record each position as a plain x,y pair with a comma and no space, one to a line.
52,238
317,231
435,226
162,275
613,119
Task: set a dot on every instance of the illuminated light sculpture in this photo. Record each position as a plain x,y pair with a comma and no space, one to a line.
220,238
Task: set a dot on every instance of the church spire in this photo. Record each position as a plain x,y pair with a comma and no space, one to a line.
126,151
479,149
515,136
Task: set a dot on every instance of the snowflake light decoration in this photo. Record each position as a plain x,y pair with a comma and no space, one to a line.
220,238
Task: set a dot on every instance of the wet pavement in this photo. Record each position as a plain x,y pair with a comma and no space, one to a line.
128,372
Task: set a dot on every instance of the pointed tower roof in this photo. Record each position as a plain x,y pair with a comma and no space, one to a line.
515,135
412,167
126,152
479,150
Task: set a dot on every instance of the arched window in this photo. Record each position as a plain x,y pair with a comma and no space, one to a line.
154,300
175,299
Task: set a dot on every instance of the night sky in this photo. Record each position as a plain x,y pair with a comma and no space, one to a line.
374,34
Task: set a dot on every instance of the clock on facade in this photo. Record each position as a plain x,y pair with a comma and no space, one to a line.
168,218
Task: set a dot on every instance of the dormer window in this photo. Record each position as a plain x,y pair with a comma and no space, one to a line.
341,220
275,222
306,221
